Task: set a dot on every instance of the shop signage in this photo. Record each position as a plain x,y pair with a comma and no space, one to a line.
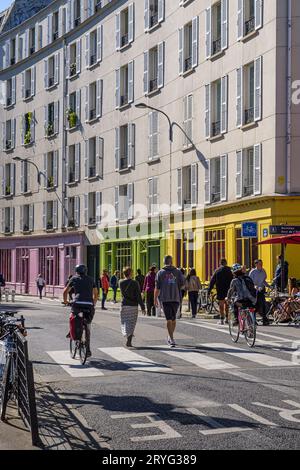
284,229
249,229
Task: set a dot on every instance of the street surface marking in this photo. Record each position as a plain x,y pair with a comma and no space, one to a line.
258,358
285,413
73,366
216,428
134,361
196,357
254,416
154,422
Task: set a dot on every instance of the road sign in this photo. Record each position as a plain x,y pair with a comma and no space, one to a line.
249,229
284,229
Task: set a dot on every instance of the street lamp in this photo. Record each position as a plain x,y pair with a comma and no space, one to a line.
146,106
39,172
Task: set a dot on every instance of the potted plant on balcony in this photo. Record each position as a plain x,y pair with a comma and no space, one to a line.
50,129
50,182
71,117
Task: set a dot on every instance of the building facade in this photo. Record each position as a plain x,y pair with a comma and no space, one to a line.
107,172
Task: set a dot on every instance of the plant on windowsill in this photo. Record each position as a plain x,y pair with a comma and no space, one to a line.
27,138
7,190
50,182
71,117
73,69
49,129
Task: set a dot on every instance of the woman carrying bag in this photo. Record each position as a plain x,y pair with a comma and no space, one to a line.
193,286
131,299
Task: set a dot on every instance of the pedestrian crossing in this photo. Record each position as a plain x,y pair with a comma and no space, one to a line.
203,357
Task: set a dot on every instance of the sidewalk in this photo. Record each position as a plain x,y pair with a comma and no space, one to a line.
13,434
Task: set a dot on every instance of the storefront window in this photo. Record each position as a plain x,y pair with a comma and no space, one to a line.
246,249
22,257
214,250
70,259
123,256
185,250
5,264
49,265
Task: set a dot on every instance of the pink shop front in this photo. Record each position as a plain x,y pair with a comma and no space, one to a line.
54,257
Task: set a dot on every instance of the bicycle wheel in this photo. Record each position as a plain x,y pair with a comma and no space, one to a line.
73,348
214,306
5,386
234,329
83,347
250,330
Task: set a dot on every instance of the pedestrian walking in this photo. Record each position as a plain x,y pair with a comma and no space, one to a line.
131,299
41,284
148,289
2,284
105,287
281,275
169,281
114,283
259,278
193,286
140,278
221,279
183,294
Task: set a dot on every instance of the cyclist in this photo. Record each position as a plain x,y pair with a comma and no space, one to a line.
86,296
242,291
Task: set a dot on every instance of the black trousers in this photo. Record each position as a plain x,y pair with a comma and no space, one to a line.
193,298
261,305
104,295
150,303
40,288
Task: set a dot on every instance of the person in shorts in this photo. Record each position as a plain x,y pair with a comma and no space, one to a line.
222,278
168,284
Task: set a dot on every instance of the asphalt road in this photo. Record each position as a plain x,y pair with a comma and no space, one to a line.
208,393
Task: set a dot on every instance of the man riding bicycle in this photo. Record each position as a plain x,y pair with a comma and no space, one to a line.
242,291
86,296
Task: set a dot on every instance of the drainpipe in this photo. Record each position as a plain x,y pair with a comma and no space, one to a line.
64,134
289,96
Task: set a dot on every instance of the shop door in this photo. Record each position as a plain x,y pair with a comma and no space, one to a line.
154,256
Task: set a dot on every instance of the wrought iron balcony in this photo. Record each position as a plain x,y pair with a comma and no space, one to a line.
92,172
249,115
216,197
32,50
12,61
92,114
9,101
250,25
77,22
217,46
8,144
188,64
73,69
71,178
123,162
92,220
248,190
50,225
55,35
153,85
124,40
216,128
93,59
50,81
153,20
98,6
27,93
25,228
124,100
7,230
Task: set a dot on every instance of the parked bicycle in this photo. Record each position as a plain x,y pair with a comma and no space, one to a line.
208,302
9,325
245,326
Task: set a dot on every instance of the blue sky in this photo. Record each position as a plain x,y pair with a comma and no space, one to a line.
4,4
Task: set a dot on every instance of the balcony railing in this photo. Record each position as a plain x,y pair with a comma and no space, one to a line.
124,40
153,85
98,6
216,128
32,50
25,228
71,178
50,225
12,61
50,129
73,69
50,81
92,220
7,230
92,114
187,202
187,64
71,223
217,46
123,162
92,172
55,35
27,93
153,20
249,115
248,190
8,145
77,22
216,197
250,25
93,59
9,101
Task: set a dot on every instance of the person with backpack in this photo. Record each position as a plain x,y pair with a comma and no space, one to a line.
168,283
242,291
193,286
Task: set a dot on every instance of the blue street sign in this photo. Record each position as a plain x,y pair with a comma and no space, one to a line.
249,229
265,232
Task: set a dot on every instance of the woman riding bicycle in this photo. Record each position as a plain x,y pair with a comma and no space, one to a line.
242,291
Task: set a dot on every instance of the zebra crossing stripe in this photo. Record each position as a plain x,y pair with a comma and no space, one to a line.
257,357
73,366
133,360
198,358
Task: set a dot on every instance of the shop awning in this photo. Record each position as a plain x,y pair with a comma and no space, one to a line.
283,240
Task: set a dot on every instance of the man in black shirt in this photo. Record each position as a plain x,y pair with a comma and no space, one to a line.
86,296
222,278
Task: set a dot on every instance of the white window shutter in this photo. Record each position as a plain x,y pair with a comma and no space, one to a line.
78,56
99,98
131,82
90,8
86,159
185,119
12,178
179,188
49,28
21,218
240,20
22,177
67,165
7,54
257,178
146,72
32,127
180,49
117,202
23,129
2,180
131,145
194,178
117,148
130,23
23,83
118,31
150,135
46,78
208,33
45,170
258,89
150,195
31,217
146,16
55,214
66,212
45,119
56,117
224,172
72,13
13,90
224,100
224,24
195,41
258,14
161,10
56,68
36,38
77,162
207,192
12,220
98,206
55,167
153,135
86,209
77,210
130,197
87,50
44,215
99,43
82,11
26,44
160,68
78,105
239,97
33,80
61,21
100,170
13,133
87,117
208,111
239,174
68,55
118,88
